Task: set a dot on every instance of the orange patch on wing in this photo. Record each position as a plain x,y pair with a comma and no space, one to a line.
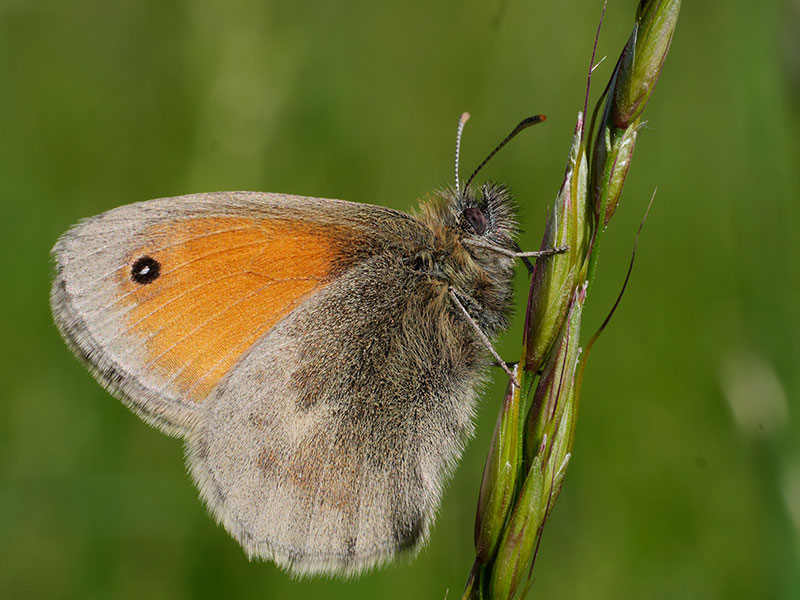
223,283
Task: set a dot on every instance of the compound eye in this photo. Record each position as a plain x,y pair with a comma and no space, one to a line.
477,219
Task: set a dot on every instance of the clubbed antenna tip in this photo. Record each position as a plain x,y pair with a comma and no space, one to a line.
524,124
461,122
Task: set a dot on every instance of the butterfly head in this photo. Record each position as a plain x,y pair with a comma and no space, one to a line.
467,230
487,214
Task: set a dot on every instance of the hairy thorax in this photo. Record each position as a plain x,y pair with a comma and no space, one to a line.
482,280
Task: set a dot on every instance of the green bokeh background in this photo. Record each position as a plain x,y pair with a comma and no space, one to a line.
685,479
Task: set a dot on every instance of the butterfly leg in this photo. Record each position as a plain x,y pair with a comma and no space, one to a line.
509,364
517,252
487,342
525,260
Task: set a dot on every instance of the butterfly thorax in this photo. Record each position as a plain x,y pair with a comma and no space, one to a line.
454,257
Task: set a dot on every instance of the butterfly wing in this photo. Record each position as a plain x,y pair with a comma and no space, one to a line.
324,386
161,298
327,446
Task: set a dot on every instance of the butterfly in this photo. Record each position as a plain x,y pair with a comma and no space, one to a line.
320,358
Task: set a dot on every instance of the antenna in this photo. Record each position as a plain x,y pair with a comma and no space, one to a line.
461,122
524,124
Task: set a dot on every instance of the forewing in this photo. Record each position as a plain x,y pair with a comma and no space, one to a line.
219,271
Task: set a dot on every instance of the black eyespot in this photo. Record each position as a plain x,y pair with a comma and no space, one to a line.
145,270
477,219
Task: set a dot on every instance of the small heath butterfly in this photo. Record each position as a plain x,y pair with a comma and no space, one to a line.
320,358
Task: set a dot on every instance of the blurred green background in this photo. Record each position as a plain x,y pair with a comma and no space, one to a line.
685,479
